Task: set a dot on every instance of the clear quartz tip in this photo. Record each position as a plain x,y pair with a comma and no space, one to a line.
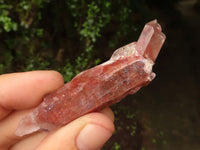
27,125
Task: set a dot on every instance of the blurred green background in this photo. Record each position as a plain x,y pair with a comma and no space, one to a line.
73,35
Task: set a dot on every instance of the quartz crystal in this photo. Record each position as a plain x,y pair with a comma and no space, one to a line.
129,69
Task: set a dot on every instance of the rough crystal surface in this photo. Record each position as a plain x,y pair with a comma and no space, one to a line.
129,68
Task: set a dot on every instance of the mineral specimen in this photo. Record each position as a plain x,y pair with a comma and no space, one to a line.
129,68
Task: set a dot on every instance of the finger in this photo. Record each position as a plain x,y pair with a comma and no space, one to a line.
25,90
3,112
88,132
30,143
37,138
108,112
8,128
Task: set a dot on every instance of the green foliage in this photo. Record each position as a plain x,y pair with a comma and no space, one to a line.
96,19
6,22
160,136
132,129
143,148
36,63
154,140
32,32
88,25
116,146
1,68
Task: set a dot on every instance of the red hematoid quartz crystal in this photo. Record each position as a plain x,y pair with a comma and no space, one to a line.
129,68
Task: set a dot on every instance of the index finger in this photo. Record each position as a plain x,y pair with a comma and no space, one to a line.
25,90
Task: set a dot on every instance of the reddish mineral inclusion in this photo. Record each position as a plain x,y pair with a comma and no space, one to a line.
129,69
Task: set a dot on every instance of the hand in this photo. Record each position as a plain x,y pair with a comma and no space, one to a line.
21,92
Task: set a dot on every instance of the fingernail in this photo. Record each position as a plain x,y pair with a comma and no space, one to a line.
92,137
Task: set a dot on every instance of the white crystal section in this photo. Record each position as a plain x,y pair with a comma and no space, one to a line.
27,125
124,51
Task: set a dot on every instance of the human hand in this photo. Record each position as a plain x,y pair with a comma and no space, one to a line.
21,92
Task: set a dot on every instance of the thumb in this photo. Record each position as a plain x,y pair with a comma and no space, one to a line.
89,132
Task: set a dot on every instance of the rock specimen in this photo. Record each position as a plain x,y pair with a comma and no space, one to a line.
129,68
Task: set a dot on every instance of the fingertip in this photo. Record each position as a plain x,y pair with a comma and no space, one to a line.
108,112
97,131
92,137
102,119
56,77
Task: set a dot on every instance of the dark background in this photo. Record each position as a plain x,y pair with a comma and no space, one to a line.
170,114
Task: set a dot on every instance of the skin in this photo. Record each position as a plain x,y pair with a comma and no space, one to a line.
21,92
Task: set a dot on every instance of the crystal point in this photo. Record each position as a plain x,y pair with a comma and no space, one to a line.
27,125
151,40
129,69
